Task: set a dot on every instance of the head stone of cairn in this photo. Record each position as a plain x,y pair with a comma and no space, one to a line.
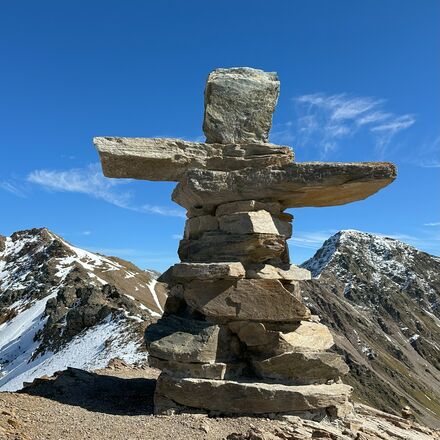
235,337
239,104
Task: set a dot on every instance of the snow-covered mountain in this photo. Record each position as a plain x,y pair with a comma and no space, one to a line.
63,306
381,298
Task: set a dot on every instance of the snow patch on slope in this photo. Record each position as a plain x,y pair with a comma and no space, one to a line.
90,350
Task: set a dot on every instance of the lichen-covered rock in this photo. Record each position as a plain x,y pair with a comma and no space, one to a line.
239,103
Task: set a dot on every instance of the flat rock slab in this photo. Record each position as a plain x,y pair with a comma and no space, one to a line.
239,103
294,186
302,368
168,159
207,271
250,248
288,272
249,300
215,370
231,397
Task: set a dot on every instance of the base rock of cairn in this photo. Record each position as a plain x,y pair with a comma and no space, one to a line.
236,337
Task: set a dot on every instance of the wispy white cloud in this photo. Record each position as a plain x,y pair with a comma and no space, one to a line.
91,181
311,240
177,236
429,154
12,188
325,121
432,224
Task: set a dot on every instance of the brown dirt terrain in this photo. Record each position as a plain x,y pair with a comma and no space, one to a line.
117,403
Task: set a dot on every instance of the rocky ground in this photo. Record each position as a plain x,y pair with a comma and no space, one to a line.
116,403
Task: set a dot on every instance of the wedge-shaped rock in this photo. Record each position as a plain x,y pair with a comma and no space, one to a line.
216,370
251,248
167,159
239,103
246,206
250,300
267,340
288,272
207,271
182,340
309,336
302,368
295,185
231,397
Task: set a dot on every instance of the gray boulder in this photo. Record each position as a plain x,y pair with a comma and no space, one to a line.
239,103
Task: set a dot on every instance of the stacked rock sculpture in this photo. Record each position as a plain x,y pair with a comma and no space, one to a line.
236,337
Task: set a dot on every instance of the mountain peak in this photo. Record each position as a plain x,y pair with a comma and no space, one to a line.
375,247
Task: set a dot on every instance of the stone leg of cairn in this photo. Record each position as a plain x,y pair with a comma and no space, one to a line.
236,337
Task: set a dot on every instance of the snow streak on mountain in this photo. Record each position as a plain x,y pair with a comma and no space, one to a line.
63,306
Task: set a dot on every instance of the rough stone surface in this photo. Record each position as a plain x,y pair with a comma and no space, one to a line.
182,340
248,205
266,340
196,226
251,248
208,271
214,370
230,397
239,103
284,272
302,368
252,300
295,185
168,159
248,222
309,336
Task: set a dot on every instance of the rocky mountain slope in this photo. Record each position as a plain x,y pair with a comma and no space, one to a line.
63,306
381,298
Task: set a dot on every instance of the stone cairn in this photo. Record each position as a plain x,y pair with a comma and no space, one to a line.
236,337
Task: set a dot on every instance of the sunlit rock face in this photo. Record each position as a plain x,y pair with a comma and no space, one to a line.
236,336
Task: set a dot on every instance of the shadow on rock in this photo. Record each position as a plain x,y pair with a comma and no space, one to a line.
97,393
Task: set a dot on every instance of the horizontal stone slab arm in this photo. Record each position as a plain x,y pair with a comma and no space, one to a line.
168,159
294,185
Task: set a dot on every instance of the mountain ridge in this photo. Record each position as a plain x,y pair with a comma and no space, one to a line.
60,305
381,299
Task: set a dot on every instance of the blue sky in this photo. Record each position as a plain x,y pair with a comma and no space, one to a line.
359,82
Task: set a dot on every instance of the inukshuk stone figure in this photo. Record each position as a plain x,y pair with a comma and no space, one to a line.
236,337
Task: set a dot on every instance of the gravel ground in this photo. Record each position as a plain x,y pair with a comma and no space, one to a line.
116,404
